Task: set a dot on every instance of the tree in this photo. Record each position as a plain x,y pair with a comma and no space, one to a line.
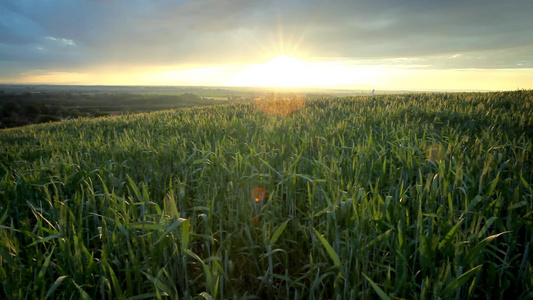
11,109
33,110
75,113
46,119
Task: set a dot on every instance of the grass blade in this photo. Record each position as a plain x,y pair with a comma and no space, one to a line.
42,271
332,254
54,286
170,228
454,285
474,252
449,236
278,232
376,288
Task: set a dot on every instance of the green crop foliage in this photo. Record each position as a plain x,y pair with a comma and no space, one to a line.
418,196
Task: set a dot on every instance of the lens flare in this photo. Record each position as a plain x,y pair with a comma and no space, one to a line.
258,194
278,104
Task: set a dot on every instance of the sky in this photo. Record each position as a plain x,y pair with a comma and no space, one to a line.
390,44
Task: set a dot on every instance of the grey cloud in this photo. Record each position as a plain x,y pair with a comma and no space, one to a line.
487,34
420,30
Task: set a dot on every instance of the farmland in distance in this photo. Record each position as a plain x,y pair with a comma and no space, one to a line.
413,196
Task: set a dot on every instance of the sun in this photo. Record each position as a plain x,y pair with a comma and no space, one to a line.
281,71
284,61
292,72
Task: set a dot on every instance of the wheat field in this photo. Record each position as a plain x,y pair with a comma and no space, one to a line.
416,196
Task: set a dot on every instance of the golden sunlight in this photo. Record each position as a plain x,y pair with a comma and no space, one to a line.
289,71
282,71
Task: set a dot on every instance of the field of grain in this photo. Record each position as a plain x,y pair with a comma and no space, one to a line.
418,196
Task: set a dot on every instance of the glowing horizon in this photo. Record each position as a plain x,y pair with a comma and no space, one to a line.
290,72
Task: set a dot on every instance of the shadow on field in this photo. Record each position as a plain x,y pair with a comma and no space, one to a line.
467,123
23,140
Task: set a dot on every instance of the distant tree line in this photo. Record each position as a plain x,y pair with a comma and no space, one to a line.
13,113
24,109
33,108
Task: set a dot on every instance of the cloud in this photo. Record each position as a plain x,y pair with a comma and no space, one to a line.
62,41
76,35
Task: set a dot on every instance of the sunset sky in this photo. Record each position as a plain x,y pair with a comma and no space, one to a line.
408,45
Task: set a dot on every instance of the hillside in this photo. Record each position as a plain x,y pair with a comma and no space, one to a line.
392,196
